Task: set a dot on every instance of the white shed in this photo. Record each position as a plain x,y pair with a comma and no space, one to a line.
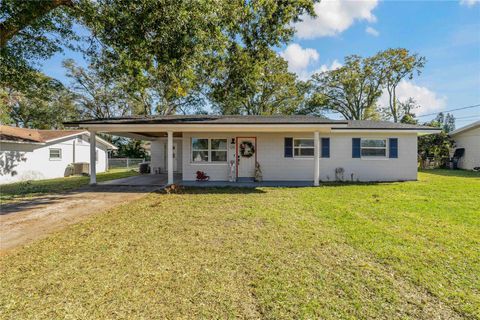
31,154
468,137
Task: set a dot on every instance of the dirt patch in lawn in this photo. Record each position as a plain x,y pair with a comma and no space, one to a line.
26,221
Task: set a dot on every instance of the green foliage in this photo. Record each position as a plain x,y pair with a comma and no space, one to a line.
129,148
446,122
31,31
435,146
398,64
351,90
44,104
255,84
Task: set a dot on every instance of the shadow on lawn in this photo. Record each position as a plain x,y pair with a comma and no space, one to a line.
452,173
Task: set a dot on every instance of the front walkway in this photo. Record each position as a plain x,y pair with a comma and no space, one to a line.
158,180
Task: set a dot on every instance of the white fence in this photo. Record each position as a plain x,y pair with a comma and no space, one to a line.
124,162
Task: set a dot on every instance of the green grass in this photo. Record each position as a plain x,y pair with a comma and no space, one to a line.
389,251
23,190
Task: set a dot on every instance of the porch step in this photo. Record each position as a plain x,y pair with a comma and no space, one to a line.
245,179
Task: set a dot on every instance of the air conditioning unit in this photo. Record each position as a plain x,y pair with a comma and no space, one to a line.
81,168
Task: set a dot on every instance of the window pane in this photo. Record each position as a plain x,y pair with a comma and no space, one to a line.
373,143
307,152
303,152
219,144
199,144
303,142
200,156
374,152
55,153
219,156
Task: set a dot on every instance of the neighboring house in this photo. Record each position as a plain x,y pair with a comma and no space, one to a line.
287,148
30,154
468,138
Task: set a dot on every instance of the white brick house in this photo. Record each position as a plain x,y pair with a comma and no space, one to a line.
287,148
468,138
30,154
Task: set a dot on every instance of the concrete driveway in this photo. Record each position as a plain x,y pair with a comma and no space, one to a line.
26,221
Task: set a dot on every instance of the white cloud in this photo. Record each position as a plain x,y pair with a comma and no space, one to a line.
372,31
300,59
469,3
429,101
325,67
334,17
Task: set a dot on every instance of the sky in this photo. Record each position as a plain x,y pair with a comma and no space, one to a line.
447,33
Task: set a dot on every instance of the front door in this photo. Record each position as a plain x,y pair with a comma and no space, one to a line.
246,156
165,157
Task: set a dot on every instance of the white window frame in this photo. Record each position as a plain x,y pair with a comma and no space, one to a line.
374,157
209,151
302,157
55,158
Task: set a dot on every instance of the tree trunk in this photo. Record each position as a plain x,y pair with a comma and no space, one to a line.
12,26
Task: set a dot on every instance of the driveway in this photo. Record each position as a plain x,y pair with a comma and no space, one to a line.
26,221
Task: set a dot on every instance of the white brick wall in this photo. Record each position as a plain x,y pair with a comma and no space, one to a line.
32,162
470,140
270,155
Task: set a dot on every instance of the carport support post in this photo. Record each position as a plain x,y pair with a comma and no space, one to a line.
316,158
93,168
170,157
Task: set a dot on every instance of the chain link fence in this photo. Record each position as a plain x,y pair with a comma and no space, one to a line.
114,163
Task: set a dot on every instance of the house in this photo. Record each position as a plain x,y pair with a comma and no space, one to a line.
30,154
287,148
468,139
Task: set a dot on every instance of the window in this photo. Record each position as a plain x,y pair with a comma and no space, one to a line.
374,148
55,153
209,150
303,148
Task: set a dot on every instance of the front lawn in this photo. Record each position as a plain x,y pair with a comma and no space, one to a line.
390,251
24,190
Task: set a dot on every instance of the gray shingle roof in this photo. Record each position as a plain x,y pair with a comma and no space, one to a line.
211,119
242,119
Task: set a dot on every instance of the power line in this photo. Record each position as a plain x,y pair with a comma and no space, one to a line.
433,114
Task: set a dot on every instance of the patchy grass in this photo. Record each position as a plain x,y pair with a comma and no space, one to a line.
397,250
23,190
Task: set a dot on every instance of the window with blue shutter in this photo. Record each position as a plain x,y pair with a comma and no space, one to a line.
355,147
325,147
288,148
393,147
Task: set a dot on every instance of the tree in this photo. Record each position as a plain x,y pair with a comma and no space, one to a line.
436,146
252,85
405,109
173,43
31,31
96,94
44,104
351,90
398,64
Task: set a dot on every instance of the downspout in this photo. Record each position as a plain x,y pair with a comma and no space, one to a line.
73,156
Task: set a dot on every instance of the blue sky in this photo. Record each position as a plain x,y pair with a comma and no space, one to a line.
447,33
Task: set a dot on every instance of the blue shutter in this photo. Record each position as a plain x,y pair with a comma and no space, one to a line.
325,147
393,147
288,148
356,148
